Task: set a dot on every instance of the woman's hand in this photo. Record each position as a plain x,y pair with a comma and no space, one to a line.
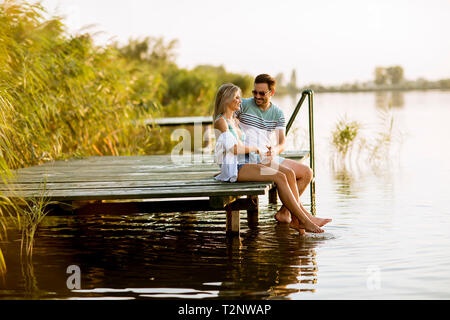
269,154
269,151
258,151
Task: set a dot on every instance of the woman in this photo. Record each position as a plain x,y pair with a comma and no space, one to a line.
233,156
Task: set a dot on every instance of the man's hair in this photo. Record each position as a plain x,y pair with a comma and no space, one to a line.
265,78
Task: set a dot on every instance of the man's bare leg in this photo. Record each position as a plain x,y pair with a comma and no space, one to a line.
303,176
258,172
284,216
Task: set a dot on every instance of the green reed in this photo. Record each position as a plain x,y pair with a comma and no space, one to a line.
379,149
30,217
345,135
351,146
66,97
62,96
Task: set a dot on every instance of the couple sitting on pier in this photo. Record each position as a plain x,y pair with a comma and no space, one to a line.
244,129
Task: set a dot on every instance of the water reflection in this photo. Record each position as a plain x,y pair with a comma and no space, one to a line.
272,262
385,99
345,183
398,99
165,255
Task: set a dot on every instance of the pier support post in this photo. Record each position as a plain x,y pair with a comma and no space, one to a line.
233,222
253,211
273,196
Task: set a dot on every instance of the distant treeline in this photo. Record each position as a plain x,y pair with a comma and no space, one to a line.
62,96
385,78
419,84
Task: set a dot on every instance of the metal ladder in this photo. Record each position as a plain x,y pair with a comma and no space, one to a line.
310,94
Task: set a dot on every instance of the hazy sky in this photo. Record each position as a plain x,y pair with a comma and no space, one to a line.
325,41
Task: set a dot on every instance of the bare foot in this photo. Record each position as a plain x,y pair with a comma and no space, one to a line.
320,221
295,224
283,215
312,227
301,227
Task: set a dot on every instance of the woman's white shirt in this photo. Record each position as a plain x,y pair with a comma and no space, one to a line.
225,157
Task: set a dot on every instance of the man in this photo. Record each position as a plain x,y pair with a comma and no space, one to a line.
264,126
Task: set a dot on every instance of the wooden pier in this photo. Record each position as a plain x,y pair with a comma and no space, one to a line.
179,121
157,183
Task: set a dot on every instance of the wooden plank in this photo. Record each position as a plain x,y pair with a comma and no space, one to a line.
117,177
176,121
140,207
296,155
109,176
140,193
115,169
99,169
128,160
200,189
151,160
120,164
177,205
121,184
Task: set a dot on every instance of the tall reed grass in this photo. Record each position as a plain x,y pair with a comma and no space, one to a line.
62,96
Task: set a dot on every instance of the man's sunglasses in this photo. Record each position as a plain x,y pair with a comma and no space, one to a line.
261,93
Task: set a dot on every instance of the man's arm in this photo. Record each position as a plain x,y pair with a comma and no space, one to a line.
221,126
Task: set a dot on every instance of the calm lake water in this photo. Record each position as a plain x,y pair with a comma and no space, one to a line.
389,238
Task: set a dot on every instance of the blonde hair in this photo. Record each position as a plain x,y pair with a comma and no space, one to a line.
224,95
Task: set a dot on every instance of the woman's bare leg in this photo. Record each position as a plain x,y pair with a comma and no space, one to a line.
259,172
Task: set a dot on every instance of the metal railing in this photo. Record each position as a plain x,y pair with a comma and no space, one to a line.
310,94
